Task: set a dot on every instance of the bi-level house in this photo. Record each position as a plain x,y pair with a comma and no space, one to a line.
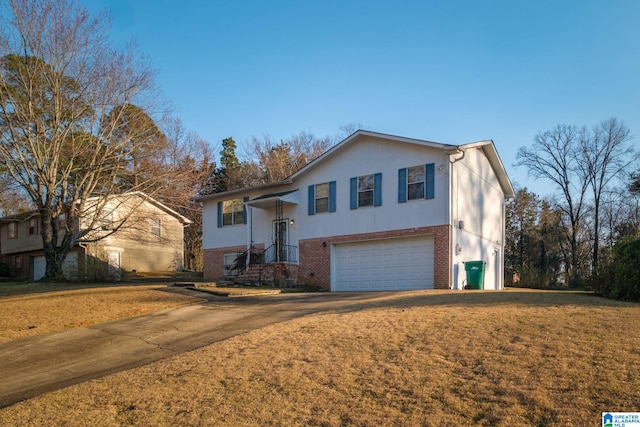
134,233
375,212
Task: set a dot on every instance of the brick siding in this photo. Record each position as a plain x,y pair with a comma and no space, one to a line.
213,261
315,254
314,268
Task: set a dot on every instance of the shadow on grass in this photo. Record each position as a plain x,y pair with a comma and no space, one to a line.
30,288
341,302
536,298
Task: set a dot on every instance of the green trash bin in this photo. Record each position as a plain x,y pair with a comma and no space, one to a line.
475,274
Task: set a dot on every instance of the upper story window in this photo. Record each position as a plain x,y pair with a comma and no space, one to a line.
107,221
32,226
322,198
366,190
416,182
156,226
231,212
12,230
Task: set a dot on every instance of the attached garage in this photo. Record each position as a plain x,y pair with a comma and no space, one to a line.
39,267
69,266
384,265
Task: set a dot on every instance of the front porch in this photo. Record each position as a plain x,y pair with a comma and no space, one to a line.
276,265
275,261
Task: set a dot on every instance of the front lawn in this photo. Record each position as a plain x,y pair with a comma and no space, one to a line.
513,358
28,309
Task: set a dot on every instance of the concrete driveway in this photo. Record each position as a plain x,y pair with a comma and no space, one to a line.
36,365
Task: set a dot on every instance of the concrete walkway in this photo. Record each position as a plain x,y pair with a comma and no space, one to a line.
36,365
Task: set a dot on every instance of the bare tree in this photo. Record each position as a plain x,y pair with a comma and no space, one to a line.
348,129
188,156
634,185
604,155
12,198
553,156
63,94
277,161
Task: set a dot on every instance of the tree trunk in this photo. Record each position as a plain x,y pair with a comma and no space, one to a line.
53,254
596,236
574,259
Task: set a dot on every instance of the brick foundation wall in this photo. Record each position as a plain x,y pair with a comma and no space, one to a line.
315,254
284,274
213,262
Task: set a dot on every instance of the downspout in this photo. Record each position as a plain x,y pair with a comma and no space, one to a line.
84,247
184,250
503,243
453,245
457,150
247,261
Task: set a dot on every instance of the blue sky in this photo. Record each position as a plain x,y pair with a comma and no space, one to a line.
448,71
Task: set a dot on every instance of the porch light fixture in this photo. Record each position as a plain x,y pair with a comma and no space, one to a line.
292,222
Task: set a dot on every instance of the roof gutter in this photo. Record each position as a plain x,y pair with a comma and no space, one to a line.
456,151
211,196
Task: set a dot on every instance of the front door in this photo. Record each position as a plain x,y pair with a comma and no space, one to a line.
281,240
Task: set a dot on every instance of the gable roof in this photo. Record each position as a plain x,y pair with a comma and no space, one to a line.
22,216
287,197
360,134
487,146
490,151
184,220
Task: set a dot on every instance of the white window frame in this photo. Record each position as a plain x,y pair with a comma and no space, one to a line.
32,223
234,210
12,230
325,190
228,258
364,182
412,195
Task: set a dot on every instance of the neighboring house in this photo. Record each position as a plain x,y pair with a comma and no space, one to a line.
375,212
137,233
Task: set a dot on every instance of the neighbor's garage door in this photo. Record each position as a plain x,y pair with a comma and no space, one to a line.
39,267
69,266
380,265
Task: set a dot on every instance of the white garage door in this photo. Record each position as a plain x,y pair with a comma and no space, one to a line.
39,267
69,266
380,265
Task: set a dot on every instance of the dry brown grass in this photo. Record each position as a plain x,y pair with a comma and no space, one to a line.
41,312
525,358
